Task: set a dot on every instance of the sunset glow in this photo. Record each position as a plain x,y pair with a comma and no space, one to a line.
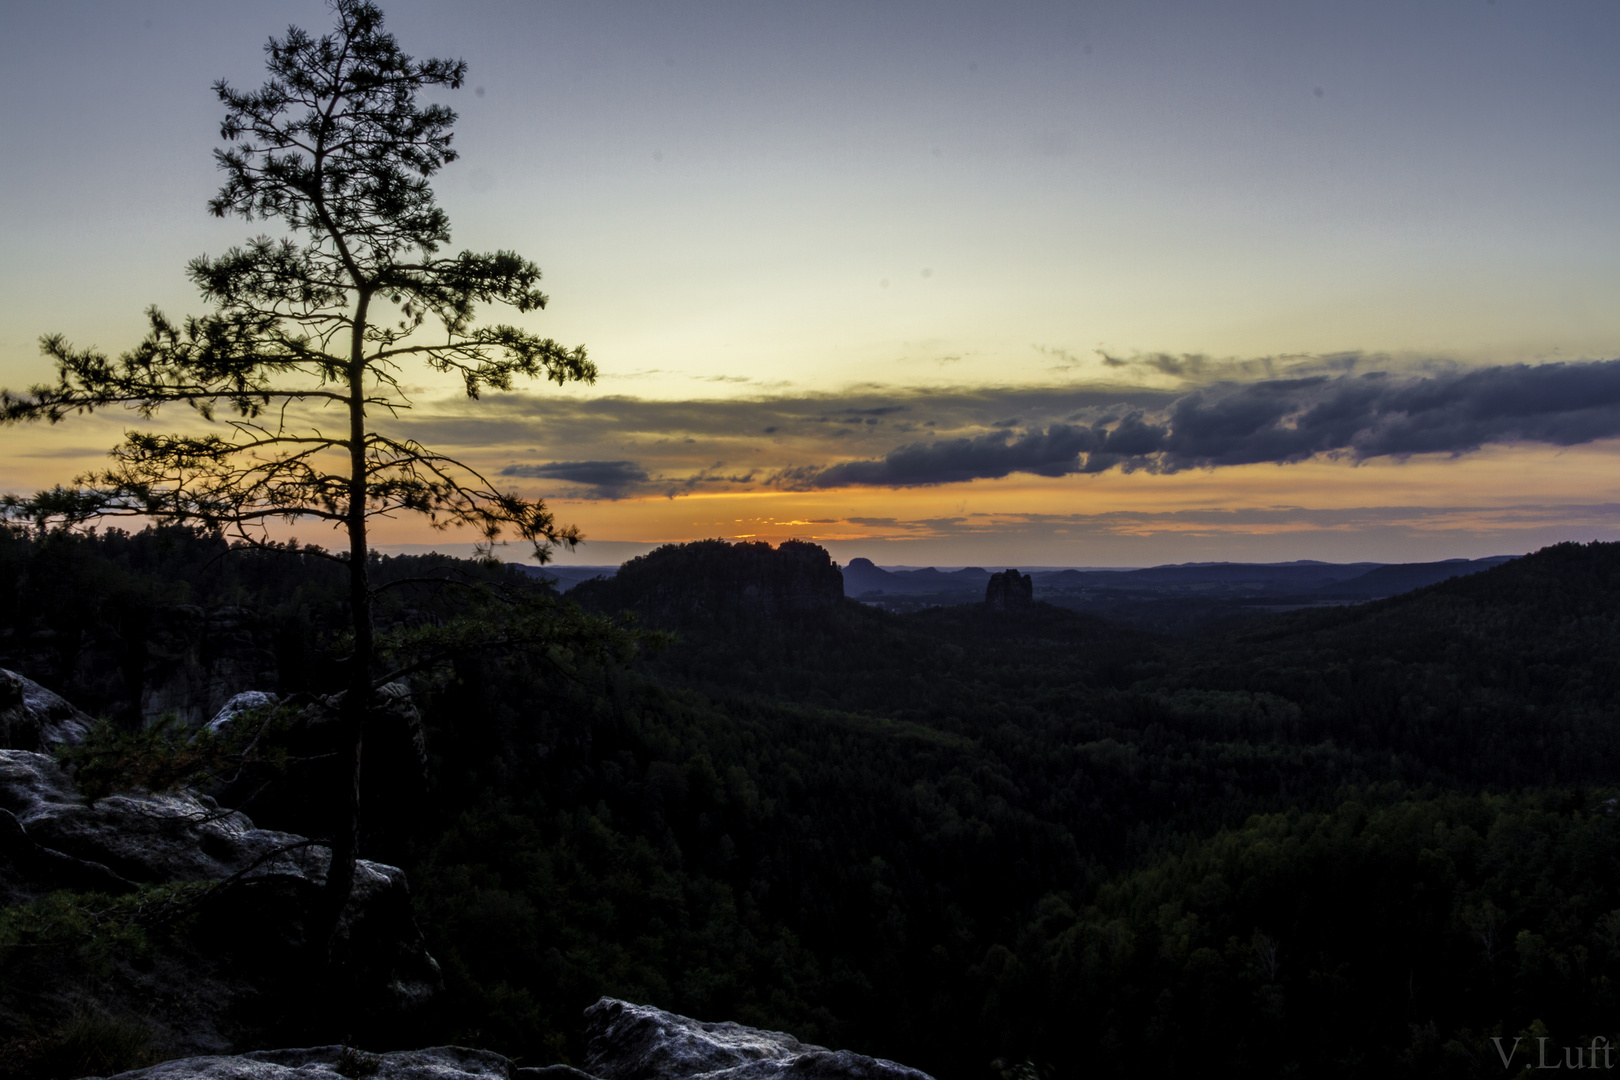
959,285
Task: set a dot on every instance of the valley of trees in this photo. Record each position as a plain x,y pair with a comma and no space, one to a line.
1341,842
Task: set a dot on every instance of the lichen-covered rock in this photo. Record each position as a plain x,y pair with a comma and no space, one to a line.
248,701
143,837
627,1042
639,1042
330,1062
337,1062
34,718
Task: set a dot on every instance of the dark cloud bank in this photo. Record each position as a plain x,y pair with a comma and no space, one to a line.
605,478
616,479
614,447
1282,420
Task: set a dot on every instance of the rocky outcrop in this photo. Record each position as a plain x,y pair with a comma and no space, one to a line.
252,938
247,703
639,1042
627,1042
709,578
1009,591
313,1063
33,718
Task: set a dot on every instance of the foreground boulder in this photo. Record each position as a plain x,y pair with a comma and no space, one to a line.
627,1042
314,1063
239,910
34,718
639,1042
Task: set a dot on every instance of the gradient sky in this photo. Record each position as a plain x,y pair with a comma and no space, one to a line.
899,276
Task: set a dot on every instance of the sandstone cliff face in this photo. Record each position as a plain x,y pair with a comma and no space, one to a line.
627,1042
177,658
196,660
709,578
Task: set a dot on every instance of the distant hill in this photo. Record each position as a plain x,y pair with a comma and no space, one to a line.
1520,604
1363,580
1404,577
1302,575
1176,599
564,578
862,577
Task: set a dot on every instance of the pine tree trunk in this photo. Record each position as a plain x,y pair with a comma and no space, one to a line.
357,697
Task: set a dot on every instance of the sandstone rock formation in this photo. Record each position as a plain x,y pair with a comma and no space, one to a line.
252,937
246,703
336,1062
33,718
175,658
709,578
1009,591
639,1042
627,1042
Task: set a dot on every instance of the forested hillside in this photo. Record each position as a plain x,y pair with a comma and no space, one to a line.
1346,841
